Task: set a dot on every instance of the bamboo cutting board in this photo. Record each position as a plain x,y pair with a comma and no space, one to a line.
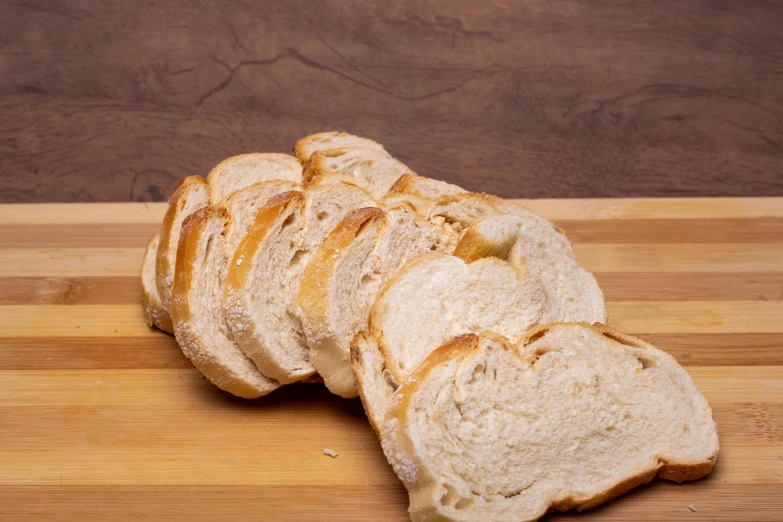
102,418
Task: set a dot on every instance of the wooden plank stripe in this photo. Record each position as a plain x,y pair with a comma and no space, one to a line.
70,290
656,286
73,262
761,230
706,257
125,235
76,213
48,353
737,422
596,257
747,349
691,286
628,316
186,388
161,351
557,209
258,454
74,321
696,316
655,208
90,235
661,501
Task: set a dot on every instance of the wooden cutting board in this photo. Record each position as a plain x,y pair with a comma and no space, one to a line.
102,418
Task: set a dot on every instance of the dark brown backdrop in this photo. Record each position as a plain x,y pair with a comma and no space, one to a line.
116,101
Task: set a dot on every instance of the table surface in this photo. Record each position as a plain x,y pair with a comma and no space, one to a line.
104,419
117,101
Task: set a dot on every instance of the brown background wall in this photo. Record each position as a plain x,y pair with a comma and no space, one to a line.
116,101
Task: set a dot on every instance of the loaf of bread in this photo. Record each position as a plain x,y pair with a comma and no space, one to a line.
570,417
461,319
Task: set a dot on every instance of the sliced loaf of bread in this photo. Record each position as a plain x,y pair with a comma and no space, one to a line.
154,312
209,240
571,417
264,276
343,278
307,146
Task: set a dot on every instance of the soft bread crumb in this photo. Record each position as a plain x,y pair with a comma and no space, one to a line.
330,452
692,507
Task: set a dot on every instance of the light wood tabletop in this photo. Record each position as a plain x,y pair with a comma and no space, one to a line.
103,418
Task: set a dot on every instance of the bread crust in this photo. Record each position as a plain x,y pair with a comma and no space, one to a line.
315,167
154,313
422,485
194,187
303,147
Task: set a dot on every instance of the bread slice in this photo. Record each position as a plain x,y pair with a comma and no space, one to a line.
308,145
154,312
571,417
419,191
344,276
190,195
264,276
241,171
373,170
208,241
535,246
511,277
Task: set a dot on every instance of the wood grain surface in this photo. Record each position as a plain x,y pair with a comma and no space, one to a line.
105,419
117,101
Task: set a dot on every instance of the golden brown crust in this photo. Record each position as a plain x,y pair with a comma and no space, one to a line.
313,288
186,255
403,185
301,146
277,206
473,246
154,313
188,186
315,167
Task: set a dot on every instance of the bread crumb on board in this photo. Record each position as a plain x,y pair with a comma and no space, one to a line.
330,452
692,507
